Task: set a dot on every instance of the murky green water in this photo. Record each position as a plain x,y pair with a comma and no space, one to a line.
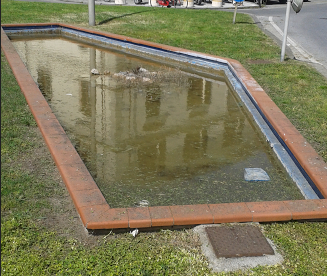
162,135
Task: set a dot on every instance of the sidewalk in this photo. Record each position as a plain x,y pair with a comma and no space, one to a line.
227,4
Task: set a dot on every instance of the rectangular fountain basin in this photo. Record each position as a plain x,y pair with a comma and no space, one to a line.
167,134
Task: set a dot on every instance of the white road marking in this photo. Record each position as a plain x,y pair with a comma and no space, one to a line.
304,55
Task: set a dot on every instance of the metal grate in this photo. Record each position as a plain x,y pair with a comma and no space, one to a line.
238,241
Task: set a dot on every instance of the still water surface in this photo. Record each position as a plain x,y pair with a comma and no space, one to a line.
164,136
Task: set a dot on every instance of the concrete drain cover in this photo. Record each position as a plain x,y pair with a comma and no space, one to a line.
238,241
236,247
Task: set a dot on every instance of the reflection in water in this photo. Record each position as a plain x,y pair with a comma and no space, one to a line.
45,83
180,140
233,125
92,89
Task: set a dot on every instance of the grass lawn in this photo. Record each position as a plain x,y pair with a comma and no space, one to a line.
41,233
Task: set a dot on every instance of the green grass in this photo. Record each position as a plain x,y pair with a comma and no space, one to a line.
301,94
32,192
29,251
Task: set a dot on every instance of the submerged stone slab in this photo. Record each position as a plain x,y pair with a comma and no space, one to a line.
255,174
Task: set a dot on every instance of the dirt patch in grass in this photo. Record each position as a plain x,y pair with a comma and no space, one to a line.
60,215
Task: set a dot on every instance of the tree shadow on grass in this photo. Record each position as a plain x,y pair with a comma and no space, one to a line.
116,17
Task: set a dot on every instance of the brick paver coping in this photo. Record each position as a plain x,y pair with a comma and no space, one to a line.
92,206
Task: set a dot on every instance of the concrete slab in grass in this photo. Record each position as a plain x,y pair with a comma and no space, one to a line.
233,264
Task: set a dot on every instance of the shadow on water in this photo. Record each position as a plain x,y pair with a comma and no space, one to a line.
121,16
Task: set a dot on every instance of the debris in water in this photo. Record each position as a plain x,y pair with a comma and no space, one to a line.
146,79
130,78
142,70
255,174
142,75
95,71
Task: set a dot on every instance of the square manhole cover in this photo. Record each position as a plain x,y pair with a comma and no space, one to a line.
238,241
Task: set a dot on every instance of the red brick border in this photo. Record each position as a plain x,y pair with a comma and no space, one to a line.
95,211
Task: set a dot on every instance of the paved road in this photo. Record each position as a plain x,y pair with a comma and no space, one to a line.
307,31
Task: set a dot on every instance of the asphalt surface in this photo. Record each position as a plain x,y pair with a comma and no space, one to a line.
307,34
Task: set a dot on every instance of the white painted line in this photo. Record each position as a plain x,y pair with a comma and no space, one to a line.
305,55
275,26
